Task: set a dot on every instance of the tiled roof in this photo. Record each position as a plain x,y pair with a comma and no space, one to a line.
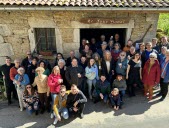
89,3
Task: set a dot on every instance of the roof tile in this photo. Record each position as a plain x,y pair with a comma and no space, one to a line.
88,3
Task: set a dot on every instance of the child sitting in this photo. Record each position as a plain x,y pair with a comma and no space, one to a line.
120,83
115,99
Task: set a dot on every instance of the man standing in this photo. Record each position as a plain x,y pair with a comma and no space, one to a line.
75,74
69,59
27,61
76,101
5,69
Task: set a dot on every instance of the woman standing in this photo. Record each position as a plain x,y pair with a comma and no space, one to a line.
92,75
133,74
43,89
108,66
21,80
151,75
164,82
54,83
87,52
121,64
62,67
98,61
116,51
31,100
43,65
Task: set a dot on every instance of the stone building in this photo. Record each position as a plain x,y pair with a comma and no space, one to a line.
59,25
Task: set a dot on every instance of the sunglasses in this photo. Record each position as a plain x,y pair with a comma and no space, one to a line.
28,87
122,55
62,91
152,57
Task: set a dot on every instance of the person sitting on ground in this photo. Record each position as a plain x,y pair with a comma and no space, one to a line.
59,106
76,101
115,99
120,83
20,81
31,100
102,90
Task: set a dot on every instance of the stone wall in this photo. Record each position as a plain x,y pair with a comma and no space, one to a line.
17,35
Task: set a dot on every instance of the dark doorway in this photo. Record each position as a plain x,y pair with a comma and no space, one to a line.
108,32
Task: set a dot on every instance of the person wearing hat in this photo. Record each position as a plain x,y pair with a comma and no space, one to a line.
151,74
43,89
102,49
120,83
20,81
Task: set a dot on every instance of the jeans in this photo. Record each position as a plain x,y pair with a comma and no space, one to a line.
90,83
34,107
53,95
20,96
64,113
122,93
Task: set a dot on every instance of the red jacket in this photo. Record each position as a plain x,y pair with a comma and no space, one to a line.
13,73
153,76
53,83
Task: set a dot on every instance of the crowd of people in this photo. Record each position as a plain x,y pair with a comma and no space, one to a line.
104,72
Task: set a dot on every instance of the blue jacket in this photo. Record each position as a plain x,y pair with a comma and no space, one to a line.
89,72
123,69
25,80
166,77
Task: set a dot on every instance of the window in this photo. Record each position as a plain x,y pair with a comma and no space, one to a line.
45,39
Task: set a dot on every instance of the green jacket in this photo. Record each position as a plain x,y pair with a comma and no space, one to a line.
103,87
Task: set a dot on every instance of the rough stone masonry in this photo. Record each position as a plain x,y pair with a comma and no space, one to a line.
17,28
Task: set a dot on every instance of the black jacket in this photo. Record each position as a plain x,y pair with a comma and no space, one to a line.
72,98
72,77
5,70
25,63
104,68
31,72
